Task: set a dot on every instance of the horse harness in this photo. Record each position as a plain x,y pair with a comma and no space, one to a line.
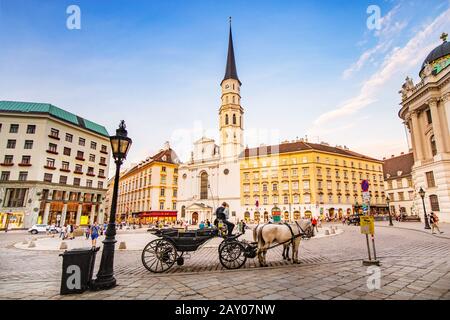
301,233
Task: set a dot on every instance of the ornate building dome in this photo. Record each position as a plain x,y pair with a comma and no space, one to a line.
437,53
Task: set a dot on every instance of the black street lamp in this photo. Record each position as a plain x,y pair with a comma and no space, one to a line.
389,210
422,195
120,144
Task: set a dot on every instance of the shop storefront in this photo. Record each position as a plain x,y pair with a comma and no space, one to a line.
11,220
157,216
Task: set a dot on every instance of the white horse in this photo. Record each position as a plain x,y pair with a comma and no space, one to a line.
286,246
281,233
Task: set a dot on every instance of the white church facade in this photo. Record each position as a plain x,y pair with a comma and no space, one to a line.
212,175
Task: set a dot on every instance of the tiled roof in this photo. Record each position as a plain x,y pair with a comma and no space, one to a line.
401,163
46,108
301,146
171,157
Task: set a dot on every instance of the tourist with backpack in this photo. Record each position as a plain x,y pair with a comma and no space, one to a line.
94,234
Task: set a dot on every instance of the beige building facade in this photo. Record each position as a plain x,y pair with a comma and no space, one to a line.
148,191
425,109
53,168
398,184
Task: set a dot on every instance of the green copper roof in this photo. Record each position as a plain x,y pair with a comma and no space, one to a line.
33,107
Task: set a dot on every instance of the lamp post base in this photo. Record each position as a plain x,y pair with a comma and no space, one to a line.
371,262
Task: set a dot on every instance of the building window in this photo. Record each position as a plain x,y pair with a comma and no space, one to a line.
162,192
8,159
100,185
161,206
204,185
50,163
434,202
78,168
28,144
102,160
52,147
307,198
401,196
11,144
163,179
89,183
93,145
90,171
306,184
63,179
54,133
31,128
274,187
275,199
82,142
430,179
104,148
433,146
15,198
163,169
175,193
48,177
26,159
66,151
226,119
92,157
174,206
14,128
69,137
5,176
234,119
65,165
429,119
101,173
76,181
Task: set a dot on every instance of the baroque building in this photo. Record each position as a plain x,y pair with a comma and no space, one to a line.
425,110
211,176
398,184
148,190
300,179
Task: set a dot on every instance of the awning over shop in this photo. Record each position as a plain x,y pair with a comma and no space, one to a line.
158,214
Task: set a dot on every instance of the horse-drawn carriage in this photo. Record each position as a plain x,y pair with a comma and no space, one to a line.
161,254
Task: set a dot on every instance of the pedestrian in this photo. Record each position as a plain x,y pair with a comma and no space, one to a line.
62,234
434,223
87,232
208,223
314,223
94,234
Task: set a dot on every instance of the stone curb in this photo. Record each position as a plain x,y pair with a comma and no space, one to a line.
411,229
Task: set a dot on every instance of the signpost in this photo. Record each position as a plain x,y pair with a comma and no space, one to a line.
367,224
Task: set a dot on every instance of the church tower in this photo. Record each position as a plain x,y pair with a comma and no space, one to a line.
230,112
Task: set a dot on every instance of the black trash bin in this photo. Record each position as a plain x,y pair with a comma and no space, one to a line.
77,271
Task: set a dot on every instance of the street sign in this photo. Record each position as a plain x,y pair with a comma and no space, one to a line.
366,196
367,225
365,185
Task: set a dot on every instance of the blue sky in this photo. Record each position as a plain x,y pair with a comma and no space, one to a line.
307,67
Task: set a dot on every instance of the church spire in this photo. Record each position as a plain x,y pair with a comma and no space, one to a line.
230,70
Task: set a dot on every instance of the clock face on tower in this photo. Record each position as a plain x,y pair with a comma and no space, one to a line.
227,86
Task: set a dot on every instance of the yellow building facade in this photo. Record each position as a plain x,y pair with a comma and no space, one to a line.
302,179
148,191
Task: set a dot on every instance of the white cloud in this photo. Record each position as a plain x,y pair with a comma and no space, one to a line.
399,60
390,28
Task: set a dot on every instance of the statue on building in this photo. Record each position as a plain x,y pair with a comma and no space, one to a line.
406,87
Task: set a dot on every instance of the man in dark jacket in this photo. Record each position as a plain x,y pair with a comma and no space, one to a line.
221,215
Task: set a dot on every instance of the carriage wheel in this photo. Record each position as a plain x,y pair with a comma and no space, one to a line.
159,255
232,255
222,244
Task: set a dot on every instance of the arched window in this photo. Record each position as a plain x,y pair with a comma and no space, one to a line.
183,211
433,146
234,99
434,202
204,185
226,119
234,118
